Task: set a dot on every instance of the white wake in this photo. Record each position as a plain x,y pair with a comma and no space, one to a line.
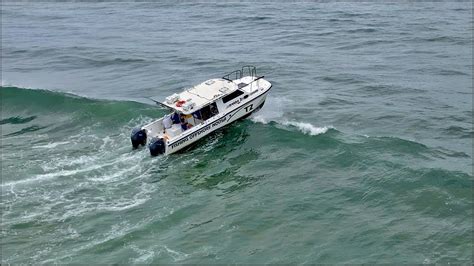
273,112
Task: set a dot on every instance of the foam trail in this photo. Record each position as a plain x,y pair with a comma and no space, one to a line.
307,128
50,145
259,119
274,113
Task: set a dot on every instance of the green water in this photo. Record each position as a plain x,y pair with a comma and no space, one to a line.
361,154
74,191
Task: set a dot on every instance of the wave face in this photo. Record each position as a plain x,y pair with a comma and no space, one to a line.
361,154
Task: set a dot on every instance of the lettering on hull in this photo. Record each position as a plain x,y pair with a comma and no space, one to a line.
227,118
198,132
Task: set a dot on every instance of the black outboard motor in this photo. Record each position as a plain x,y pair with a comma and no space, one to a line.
157,146
138,137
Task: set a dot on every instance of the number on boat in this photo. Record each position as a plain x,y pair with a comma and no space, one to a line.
249,108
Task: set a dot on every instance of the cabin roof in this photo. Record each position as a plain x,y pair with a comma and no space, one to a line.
202,94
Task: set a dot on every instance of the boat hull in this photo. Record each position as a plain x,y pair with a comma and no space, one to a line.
242,111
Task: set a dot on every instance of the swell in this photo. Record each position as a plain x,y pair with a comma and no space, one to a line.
43,115
22,105
32,111
27,106
355,149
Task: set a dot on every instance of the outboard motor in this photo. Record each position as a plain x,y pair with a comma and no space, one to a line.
157,146
138,137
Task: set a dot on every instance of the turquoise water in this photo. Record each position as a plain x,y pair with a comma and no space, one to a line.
361,154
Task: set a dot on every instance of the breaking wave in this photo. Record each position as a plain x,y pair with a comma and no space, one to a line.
303,127
274,112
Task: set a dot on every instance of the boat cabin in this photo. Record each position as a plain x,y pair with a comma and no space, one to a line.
197,104
201,109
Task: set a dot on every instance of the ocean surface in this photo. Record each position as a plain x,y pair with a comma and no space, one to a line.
361,154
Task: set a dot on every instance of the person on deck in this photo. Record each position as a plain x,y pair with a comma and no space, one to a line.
184,125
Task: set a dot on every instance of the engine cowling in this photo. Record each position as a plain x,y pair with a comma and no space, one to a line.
157,146
138,137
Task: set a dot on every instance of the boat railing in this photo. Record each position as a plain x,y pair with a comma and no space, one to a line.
245,71
251,70
236,73
239,73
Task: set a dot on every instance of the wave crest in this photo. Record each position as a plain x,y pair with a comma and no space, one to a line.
274,112
306,128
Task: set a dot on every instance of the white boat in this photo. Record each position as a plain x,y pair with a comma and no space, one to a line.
202,109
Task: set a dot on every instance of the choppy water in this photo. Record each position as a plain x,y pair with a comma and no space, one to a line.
362,153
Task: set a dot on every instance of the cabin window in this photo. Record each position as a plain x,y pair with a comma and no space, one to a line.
232,96
206,112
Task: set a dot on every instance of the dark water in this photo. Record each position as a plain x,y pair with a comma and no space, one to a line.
362,153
